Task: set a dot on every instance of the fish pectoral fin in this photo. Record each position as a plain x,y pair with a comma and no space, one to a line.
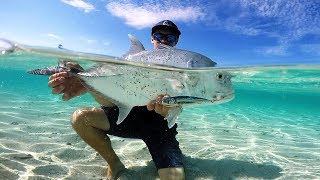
173,115
123,113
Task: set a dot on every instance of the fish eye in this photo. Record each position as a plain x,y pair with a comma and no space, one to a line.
219,76
172,101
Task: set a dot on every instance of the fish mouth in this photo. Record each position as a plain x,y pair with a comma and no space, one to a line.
222,98
218,99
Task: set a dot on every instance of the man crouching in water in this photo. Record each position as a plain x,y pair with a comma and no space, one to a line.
94,124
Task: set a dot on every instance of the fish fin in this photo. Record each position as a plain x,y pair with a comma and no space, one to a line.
135,47
47,71
172,116
163,46
123,113
52,69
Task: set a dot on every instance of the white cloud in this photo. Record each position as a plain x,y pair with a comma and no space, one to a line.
54,36
288,17
106,43
88,40
91,41
280,50
284,21
87,7
311,48
3,34
145,15
293,18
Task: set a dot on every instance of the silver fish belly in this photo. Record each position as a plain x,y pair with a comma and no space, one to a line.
129,86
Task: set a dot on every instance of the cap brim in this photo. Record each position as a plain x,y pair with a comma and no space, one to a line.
164,27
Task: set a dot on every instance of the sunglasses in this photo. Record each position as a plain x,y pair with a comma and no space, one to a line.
170,38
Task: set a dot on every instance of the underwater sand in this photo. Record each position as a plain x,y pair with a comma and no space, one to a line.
271,130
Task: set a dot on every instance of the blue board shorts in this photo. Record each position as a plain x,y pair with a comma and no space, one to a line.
152,129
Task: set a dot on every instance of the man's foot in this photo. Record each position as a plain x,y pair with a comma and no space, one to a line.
123,174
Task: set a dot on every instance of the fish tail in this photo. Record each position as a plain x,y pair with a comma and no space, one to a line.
47,71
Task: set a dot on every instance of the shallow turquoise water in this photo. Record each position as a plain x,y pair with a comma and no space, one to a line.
270,130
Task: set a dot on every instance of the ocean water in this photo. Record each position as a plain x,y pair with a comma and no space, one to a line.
271,130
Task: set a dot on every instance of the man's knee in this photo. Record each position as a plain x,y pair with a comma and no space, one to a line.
80,116
176,173
93,117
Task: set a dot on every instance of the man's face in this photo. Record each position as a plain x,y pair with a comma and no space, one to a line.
167,36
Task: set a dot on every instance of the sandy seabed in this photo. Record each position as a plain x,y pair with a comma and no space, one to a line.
38,142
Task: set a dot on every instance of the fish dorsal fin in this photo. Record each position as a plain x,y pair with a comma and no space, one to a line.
123,113
135,47
163,46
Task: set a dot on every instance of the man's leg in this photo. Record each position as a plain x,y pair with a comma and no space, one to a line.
176,173
167,157
91,124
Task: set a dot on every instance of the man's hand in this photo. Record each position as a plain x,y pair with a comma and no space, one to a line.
158,107
69,86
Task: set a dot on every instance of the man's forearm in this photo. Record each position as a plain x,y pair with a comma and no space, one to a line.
101,100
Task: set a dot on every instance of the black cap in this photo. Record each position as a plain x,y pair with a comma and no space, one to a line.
166,24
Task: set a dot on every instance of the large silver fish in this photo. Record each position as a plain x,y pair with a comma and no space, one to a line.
127,85
166,55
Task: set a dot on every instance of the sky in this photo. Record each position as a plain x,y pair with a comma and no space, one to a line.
230,32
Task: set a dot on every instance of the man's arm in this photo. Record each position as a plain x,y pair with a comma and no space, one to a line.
71,86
